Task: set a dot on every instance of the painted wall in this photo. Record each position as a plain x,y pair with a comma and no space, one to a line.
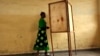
86,23
19,25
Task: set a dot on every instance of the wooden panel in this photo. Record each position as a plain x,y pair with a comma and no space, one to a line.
58,17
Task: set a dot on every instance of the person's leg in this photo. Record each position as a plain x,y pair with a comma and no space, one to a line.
37,53
45,53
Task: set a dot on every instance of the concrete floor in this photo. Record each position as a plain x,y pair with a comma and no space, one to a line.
79,53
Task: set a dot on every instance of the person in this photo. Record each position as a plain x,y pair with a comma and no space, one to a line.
41,41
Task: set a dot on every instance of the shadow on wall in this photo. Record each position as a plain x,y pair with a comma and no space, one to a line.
96,41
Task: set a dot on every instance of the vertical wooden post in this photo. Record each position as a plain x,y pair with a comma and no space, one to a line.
51,31
73,31
68,28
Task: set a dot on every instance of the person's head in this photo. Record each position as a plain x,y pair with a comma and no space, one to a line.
42,14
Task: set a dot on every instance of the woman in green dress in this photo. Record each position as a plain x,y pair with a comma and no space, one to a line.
41,41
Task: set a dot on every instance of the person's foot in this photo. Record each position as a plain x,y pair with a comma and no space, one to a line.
47,54
37,55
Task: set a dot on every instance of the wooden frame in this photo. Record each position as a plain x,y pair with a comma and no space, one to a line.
58,16
67,27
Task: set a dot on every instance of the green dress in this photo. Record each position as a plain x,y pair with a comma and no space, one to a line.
41,41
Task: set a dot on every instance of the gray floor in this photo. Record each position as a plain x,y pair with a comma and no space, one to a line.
79,53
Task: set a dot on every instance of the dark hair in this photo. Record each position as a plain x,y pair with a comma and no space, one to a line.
42,13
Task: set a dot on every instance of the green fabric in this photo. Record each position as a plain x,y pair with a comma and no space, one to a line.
41,48
42,23
41,41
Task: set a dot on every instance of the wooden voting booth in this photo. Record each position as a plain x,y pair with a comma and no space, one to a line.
59,21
